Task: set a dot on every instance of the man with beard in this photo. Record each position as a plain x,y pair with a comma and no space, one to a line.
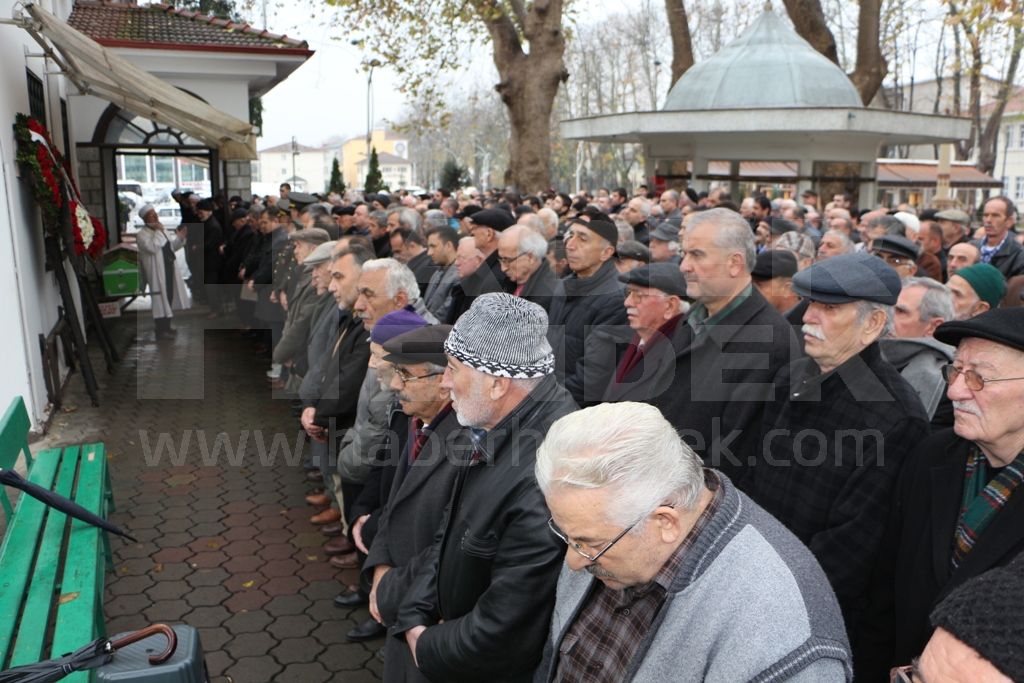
480,605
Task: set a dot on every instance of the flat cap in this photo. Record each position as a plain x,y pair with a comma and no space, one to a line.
774,263
666,232
631,249
284,204
301,199
422,345
469,210
849,277
603,228
663,276
343,211
1003,325
238,214
312,235
896,245
954,215
496,219
322,254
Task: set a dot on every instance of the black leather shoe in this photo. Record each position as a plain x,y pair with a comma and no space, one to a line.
368,630
351,599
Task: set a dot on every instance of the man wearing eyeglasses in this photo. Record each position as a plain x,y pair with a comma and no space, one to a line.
899,252
959,506
672,574
522,255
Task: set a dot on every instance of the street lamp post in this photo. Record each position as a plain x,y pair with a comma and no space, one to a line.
373,63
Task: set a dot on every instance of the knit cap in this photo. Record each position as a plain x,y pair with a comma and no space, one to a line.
987,614
986,280
504,336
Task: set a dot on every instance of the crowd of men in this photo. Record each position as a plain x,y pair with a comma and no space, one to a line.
636,437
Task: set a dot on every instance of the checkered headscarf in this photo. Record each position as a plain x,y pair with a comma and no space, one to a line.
503,335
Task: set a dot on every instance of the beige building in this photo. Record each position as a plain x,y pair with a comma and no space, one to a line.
394,170
305,168
354,150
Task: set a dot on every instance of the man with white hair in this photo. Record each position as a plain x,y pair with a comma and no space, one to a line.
157,258
480,606
959,507
834,438
834,243
638,213
671,573
522,255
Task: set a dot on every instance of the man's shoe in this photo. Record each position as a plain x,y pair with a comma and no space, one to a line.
331,530
351,598
275,371
315,475
319,500
338,546
328,516
346,561
368,630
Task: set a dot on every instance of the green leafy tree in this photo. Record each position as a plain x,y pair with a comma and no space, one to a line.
453,176
336,183
222,9
374,179
426,39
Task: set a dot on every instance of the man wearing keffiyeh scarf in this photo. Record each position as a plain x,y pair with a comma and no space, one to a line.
959,508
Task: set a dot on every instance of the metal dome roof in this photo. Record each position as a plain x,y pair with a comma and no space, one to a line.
768,66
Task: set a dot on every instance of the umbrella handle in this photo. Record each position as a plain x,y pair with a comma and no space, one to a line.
172,641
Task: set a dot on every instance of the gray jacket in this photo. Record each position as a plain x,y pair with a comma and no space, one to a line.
354,452
294,341
920,361
750,603
325,323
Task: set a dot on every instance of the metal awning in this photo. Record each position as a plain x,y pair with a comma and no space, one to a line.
96,70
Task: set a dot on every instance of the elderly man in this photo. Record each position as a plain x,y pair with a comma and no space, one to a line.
291,349
672,574
157,258
959,507
410,247
773,276
961,255
442,246
664,244
930,239
637,213
898,252
522,256
999,246
954,224
843,419
671,211
480,605
416,478
717,389
834,243
976,289
922,306
588,316
485,227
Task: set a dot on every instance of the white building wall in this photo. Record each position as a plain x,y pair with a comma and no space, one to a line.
28,306
1010,158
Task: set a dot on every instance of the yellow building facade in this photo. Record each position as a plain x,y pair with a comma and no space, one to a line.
354,150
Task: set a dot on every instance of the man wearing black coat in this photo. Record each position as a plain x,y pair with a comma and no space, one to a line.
590,315
480,605
999,246
711,378
522,255
485,228
933,543
835,437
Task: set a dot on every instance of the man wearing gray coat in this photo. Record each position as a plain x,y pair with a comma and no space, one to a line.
291,350
672,574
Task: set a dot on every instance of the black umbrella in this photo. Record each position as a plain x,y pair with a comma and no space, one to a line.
59,502
92,656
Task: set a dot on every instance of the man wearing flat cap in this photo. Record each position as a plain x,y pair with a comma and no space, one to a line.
590,314
958,509
485,227
773,276
954,224
664,244
631,254
480,605
205,245
898,252
416,477
834,438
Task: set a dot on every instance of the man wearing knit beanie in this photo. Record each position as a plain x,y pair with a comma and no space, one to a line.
481,606
976,289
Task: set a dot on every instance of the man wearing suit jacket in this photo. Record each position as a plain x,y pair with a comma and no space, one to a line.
959,506
421,481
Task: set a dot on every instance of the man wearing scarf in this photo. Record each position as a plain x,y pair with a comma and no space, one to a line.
959,505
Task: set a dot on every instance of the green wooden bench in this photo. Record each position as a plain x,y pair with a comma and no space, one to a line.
51,566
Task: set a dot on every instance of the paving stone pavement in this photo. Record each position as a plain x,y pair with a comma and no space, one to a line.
224,541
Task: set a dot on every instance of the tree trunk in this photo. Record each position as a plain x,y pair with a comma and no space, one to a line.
809,21
682,46
871,68
529,83
990,133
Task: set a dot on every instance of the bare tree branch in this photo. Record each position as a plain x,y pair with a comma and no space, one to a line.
990,134
682,45
809,22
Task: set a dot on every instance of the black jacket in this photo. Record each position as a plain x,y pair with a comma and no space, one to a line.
343,374
423,267
213,238
831,448
484,280
913,573
590,316
543,287
492,569
1010,257
713,387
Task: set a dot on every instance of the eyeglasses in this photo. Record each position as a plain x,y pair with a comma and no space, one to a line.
509,260
405,377
578,547
891,259
905,674
972,379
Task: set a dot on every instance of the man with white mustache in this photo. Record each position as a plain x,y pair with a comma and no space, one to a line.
959,506
833,441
